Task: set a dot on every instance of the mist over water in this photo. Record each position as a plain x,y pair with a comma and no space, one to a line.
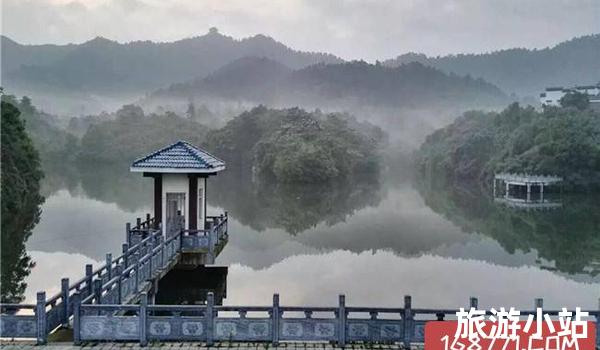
374,242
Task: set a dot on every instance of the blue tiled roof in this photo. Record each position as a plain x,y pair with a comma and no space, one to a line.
180,157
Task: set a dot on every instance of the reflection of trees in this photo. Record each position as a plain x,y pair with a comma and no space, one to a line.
568,235
106,182
21,202
113,183
294,208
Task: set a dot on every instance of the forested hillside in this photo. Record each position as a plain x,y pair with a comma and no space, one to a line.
558,140
523,71
344,86
133,134
104,66
52,141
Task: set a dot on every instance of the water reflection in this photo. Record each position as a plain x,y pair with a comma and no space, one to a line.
191,286
74,223
106,182
382,278
294,208
567,237
373,240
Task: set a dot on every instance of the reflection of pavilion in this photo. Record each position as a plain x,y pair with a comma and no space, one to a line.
524,191
524,203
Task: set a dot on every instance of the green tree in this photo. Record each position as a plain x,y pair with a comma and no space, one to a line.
296,146
21,202
561,141
575,99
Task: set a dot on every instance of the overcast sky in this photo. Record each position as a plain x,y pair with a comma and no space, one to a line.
351,29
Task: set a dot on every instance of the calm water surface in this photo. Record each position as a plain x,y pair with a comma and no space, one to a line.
373,240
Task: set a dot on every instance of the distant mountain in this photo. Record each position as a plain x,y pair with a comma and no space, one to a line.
343,85
245,78
108,67
522,71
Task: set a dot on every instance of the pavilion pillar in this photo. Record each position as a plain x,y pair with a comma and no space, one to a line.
542,191
157,200
193,202
507,189
528,192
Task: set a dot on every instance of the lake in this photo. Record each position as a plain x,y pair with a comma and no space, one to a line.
374,240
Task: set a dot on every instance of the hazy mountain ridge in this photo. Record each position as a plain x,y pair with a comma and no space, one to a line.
101,65
264,81
523,71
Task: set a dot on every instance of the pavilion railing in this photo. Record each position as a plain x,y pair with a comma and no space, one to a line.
208,239
117,281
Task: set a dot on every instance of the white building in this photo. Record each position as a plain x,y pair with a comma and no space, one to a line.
552,95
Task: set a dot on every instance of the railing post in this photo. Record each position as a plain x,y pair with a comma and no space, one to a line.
137,275
142,316
76,318
125,249
98,291
162,252
473,302
40,313
138,223
118,273
148,220
109,265
342,321
64,286
150,254
210,304
88,279
408,321
128,233
211,242
275,314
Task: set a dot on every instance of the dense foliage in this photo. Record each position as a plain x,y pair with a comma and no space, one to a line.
49,138
132,134
561,141
292,145
575,99
21,202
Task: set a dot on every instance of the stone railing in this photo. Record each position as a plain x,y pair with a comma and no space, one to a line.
209,323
